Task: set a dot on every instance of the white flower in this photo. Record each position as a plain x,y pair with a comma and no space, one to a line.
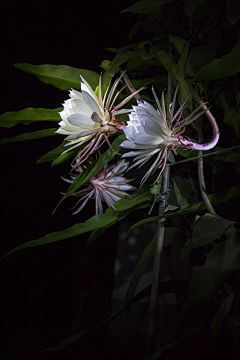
108,185
149,132
87,116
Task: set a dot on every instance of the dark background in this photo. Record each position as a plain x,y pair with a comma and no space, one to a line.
50,292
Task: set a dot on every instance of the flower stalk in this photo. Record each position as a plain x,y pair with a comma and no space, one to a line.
163,202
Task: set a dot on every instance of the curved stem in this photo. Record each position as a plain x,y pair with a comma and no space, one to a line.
215,138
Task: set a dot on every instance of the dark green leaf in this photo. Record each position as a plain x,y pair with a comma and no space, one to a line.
229,106
30,136
201,291
139,199
177,42
226,66
198,9
61,76
147,254
146,7
55,155
215,199
226,255
174,286
209,228
28,116
221,313
233,11
169,65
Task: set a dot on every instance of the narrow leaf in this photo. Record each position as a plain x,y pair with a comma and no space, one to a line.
215,199
61,76
146,7
226,66
143,262
123,206
30,136
221,313
28,116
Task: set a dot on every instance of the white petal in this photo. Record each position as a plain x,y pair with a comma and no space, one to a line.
92,103
81,120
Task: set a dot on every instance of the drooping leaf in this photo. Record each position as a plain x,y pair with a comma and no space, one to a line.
134,30
215,199
28,116
209,228
226,66
201,291
147,254
233,11
123,206
226,255
221,313
30,136
146,7
61,76
173,286
55,156
177,42
229,106
198,9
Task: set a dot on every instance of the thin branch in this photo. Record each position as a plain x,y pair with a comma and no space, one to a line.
205,155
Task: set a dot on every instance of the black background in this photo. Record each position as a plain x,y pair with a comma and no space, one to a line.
50,292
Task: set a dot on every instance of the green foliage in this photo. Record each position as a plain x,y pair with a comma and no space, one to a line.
186,41
28,116
30,136
61,76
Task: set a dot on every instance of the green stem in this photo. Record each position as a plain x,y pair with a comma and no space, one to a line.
163,199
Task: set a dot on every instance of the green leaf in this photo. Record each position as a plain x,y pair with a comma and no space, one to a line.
169,65
233,11
215,199
93,169
174,286
209,228
198,9
147,254
134,30
61,76
141,198
201,291
28,116
226,66
229,106
55,155
177,42
181,186
146,7
30,136
226,255
221,313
